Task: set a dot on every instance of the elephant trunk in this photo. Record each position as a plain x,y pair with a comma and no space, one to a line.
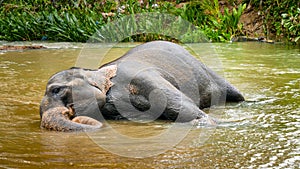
58,119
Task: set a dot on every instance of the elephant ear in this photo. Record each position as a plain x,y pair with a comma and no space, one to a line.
101,78
109,72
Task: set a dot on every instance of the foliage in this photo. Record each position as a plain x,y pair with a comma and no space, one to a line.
26,21
225,26
281,18
206,15
78,20
55,26
291,25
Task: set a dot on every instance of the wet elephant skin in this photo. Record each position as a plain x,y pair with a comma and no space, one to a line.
155,80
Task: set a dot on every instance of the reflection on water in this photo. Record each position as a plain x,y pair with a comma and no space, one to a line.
260,133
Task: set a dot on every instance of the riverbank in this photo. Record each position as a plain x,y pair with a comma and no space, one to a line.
218,21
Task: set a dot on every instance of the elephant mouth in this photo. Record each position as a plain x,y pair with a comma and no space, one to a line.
71,115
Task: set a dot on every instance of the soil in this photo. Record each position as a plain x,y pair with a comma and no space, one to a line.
252,22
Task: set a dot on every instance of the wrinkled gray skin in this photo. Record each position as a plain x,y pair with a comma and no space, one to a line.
156,80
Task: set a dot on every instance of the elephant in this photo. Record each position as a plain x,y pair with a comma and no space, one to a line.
154,80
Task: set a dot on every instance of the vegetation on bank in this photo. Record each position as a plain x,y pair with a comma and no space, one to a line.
281,19
77,20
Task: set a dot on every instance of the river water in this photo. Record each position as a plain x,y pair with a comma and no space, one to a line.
263,132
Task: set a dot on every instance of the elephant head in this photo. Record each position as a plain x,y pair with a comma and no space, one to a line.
73,98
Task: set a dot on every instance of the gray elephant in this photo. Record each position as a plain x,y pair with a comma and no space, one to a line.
155,80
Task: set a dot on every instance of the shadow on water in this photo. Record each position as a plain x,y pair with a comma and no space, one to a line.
262,132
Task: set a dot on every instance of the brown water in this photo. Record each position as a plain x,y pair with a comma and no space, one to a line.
263,132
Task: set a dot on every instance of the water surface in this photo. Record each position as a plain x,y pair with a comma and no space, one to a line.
263,132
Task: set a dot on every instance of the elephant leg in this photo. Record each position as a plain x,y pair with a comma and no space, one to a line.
181,108
178,107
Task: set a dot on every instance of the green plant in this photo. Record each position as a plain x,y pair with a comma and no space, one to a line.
78,20
231,20
222,26
291,24
281,18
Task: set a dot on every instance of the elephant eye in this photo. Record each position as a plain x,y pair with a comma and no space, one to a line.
56,90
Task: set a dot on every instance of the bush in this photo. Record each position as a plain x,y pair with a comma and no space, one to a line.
281,18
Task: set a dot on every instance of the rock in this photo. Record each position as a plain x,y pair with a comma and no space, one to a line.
243,39
24,47
251,39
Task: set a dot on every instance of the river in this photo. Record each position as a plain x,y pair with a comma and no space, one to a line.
262,132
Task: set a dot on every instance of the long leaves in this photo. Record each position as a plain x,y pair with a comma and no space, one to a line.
77,21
